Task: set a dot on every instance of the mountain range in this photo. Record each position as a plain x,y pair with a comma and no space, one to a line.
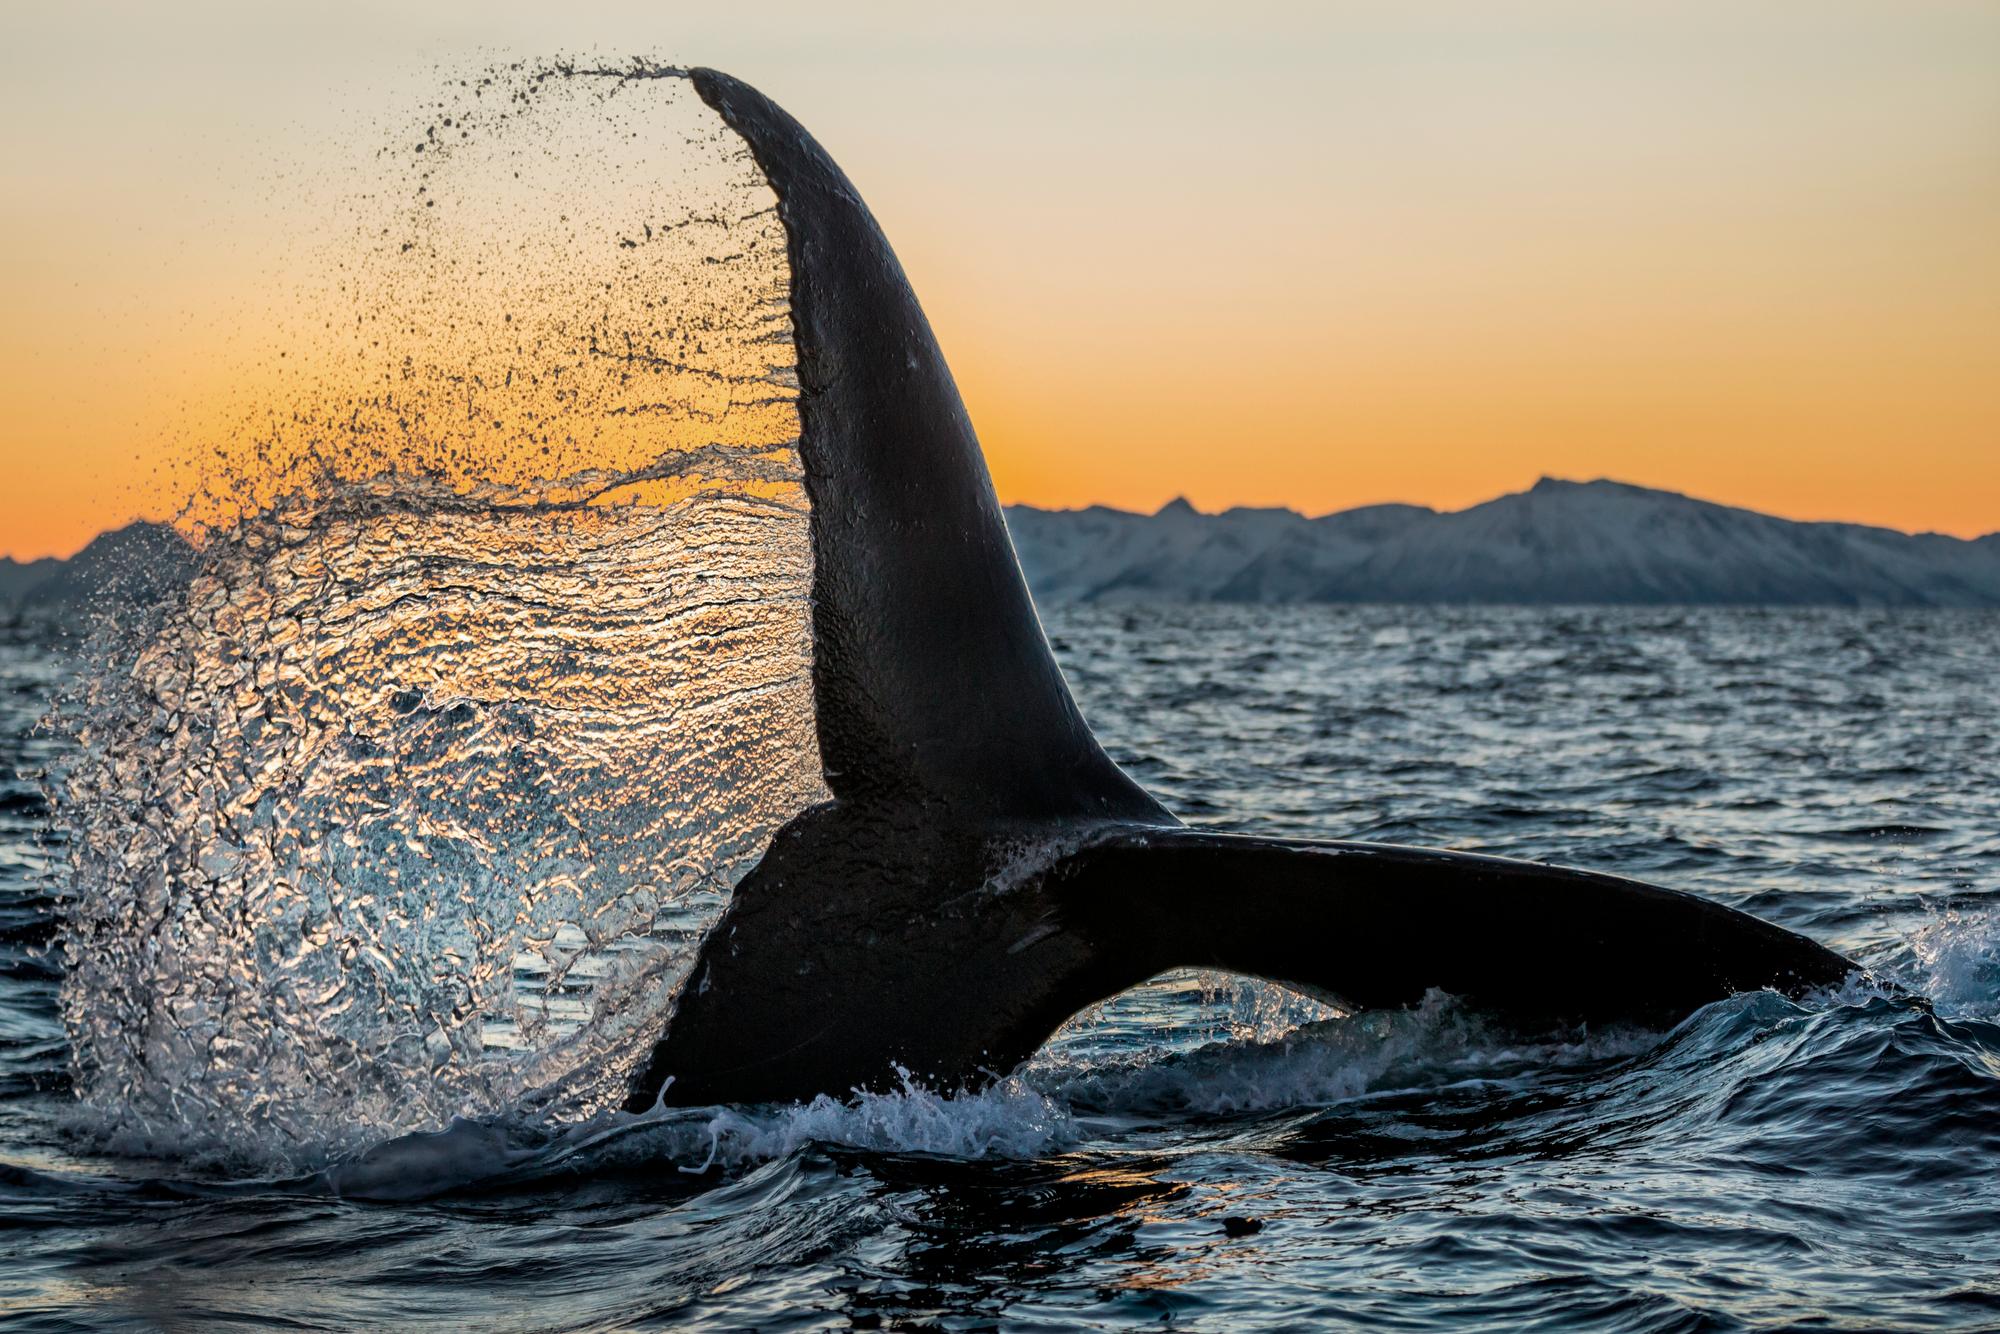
131,564
1558,542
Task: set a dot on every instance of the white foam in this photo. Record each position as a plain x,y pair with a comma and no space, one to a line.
1011,1119
1956,956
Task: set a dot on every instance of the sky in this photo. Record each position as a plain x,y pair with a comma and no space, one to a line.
1315,255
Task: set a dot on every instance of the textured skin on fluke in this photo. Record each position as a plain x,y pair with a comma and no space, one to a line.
984,870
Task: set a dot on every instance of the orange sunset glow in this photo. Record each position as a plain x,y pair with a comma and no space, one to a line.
1307,255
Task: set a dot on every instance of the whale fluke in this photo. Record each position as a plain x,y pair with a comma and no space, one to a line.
930,674
838,962
983,869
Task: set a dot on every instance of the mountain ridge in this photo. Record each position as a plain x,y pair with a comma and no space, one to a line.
1559,541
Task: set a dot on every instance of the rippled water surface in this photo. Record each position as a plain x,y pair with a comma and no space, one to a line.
1206,1155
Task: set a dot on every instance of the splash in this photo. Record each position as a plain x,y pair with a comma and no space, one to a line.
1956,958
1009,1120
1039,1110
495,675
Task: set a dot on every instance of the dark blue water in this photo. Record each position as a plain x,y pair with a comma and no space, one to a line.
1203,1156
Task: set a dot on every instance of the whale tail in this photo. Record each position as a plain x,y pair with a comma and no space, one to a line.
1373,926
839,961
983,870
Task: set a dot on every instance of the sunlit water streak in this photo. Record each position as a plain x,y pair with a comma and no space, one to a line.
1765,1162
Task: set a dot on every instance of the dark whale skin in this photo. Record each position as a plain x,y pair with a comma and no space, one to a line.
837,966
984,870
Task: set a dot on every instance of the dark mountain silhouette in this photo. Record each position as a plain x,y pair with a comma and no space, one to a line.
136,563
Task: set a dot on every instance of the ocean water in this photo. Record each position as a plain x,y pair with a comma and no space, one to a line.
1204,1153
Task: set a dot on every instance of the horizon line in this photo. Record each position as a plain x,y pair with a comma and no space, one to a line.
15,558
1182,498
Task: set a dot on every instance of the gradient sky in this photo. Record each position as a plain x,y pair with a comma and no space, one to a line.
1316,255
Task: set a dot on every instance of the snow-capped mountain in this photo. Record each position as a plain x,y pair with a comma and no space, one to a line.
1579,542
1558,542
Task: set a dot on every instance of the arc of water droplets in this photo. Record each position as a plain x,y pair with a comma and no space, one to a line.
496,673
